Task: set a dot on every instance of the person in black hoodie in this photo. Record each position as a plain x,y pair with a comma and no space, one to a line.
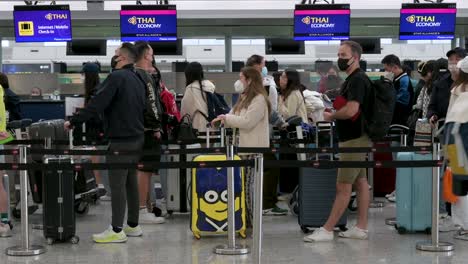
404,89
440,96
121,99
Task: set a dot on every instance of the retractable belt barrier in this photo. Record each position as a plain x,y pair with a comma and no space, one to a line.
84,152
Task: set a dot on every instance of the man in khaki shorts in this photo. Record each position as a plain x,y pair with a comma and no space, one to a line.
352,104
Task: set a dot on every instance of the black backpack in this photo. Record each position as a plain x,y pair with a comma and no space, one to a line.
380,113
216,106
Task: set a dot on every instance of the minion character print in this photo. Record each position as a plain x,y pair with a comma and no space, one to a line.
209,199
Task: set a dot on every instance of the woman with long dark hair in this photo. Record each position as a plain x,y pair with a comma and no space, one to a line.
426,70
250,117
194,101
291,102
91,81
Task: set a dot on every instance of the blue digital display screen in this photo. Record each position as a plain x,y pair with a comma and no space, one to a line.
42,23
322,22
149,23
427,21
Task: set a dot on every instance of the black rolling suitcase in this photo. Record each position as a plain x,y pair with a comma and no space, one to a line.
317,188
58,202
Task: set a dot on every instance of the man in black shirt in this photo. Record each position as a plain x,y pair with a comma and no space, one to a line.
121,99
352,105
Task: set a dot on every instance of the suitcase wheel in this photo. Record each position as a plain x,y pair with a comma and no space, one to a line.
343,228
74,240
50,241
401,230
305,230
170,212
428,231
16,213
197,236
156,211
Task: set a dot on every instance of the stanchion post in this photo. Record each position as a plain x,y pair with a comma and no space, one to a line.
223,135
25,249
231,248
435,245
258,209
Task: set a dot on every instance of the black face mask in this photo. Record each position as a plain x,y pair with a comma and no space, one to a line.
343,64
114,62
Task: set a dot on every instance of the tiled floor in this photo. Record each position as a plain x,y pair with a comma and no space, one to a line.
173,243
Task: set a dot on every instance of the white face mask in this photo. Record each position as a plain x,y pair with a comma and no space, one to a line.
452,67
389,75
239,86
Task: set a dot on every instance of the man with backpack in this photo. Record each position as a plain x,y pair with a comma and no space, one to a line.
352,107
403,87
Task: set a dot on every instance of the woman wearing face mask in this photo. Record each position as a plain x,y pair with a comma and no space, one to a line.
194,101
250,117
258,63
291,102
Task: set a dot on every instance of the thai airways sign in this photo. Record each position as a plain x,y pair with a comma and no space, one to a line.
427,21
322,22
42,23
150,23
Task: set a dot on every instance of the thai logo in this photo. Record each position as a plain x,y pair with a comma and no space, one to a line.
317,22
423,21
144,22
51,16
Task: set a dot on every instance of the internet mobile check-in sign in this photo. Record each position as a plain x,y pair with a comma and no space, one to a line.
427,21
321,22
42,23
150,23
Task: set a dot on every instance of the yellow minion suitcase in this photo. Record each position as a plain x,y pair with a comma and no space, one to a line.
209,199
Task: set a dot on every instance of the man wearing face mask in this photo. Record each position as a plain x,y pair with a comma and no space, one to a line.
354,102
121,100
403,87
153,127
440,96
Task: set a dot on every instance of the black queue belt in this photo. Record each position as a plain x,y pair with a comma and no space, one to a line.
121,166
326,164
220,150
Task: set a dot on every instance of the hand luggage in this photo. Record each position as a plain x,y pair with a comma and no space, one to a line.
58,202
414,196
209,199
85,188
178,181
317,188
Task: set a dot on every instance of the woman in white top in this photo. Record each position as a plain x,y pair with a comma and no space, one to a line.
250,117
194,100
291,101
461,84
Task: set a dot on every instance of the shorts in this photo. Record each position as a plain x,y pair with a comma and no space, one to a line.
151,144
350,175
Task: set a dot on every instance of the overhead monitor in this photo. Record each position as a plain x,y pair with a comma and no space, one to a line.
167,48
428,21
51,23
87,47
284,46
148,22
322,22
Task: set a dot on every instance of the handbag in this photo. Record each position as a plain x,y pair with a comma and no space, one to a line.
423,134
414,115
185,131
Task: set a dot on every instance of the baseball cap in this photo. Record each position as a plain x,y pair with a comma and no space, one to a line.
460,52
91,68
463,65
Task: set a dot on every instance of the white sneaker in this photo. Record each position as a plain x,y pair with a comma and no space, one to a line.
446,224
284,197
390,194
354,233
149,218
133,231
320,235
392,199
109,236
5,230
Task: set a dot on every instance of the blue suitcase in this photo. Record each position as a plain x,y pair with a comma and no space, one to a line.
414,196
